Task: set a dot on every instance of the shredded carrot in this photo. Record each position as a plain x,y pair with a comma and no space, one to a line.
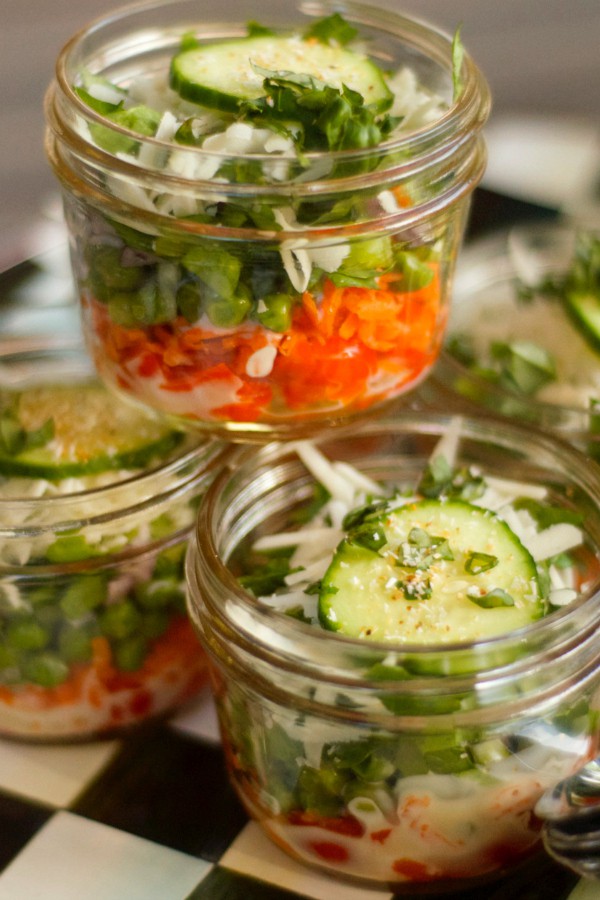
310,308
346,347
402,196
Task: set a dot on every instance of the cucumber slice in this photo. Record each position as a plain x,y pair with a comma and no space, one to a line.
584,309
222,76
93,433
431,572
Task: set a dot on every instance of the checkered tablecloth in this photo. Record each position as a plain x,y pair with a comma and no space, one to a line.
152,817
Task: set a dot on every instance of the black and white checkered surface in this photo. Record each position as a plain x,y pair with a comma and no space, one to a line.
152,817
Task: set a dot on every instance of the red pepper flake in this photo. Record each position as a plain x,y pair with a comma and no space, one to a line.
411,869
338,824
149,365
381,836
141,703
329,851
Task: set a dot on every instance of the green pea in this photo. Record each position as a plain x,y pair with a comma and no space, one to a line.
218,269
75,644
83,594
121,620
106,265
227,313
48,616
9,665
138,240
417,273
155,623
189,300
169,562
45,669
374,253
120,308
278,313
151,304
158,594
40,595
25,633
170,247
129,654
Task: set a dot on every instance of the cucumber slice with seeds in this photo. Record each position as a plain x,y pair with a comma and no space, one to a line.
92,433
222,75
438,572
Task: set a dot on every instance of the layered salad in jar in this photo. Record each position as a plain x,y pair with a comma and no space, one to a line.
524,335
330,316
96,503
410,785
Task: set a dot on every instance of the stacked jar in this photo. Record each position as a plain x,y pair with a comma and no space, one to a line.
97,504
255,278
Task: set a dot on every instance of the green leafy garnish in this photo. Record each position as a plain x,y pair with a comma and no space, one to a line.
104,107
329,118
267,578
477,562
357,517
416,587
422,549
255,29
143,120
494,599
546,515
298,613
436,477
333,29
15,439
372,536
441,480
585,271
525,366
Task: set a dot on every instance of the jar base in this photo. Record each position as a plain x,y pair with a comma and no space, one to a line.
519,868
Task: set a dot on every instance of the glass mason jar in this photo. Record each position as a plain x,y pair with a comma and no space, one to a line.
261,294
409,766
512,345
94,634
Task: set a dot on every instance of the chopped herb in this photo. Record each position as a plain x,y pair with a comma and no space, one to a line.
297,612
545,515
357,517
333,29
416,587
369,536
492,600
15,439
524,365
268,578
478,562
